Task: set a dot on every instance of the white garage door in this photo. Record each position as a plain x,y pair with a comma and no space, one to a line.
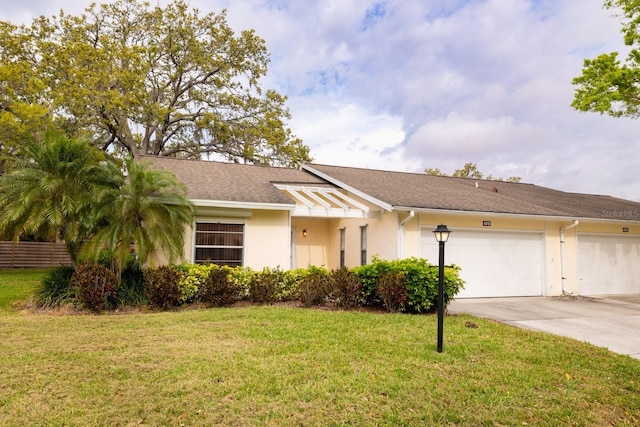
608,264
494,263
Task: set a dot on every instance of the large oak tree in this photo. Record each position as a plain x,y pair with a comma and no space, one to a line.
607,85
142,79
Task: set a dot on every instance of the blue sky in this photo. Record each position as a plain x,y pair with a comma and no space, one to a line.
413,84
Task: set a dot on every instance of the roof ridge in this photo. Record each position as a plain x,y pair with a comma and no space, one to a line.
421,174
220,162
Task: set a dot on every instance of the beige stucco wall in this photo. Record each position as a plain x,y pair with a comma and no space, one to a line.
188,244
321,246
315,247
382,238
267,241
609,228
475,221
553,258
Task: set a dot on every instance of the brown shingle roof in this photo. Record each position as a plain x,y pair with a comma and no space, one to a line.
417,190
233,182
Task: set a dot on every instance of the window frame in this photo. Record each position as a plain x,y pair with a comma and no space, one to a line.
221,221
342,245
363,244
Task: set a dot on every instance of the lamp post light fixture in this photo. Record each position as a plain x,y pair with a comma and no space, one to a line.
441,234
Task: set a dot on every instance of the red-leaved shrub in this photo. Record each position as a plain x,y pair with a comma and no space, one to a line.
161,286
95,284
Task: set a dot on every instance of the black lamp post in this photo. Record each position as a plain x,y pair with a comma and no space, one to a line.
442,235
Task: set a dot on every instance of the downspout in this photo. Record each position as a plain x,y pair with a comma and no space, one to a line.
562,256
401,233
408,218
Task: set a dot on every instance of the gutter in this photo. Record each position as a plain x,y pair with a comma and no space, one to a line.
227,204
562,255
544,217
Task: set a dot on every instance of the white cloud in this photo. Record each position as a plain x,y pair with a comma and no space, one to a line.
348,135
410,84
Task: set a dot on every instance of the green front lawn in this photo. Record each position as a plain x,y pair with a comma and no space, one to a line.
17,285
277,365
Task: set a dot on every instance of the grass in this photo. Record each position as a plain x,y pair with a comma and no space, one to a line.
17,285
278,365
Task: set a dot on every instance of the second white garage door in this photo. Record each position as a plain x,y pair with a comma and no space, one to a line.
608,264
494,263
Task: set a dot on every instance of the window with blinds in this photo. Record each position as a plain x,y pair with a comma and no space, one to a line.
342,247
219,243
363,245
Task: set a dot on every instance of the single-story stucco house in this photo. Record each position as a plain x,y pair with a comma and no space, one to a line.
510,239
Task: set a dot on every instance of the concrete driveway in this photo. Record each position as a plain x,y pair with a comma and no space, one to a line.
611,321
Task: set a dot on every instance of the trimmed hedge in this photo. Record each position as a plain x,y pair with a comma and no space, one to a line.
345,288
219,289
313,287
421,282
407,285
161,286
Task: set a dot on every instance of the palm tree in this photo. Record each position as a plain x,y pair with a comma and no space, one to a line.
65,189
147,214
51,189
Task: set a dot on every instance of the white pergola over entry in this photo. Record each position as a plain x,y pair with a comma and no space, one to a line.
326,202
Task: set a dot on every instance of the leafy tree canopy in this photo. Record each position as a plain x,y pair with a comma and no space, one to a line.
470,170
140,79
606,85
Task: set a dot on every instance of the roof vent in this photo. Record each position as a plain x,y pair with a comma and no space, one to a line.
476,184
495,189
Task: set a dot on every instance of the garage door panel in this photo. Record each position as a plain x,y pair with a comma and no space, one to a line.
608,264
493,263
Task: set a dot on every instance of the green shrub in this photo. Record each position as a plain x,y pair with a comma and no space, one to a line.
453,284
369,275
131,288
95,285
194,277
345,288
421,280
264,286
392,289
289,285
55,288
162,286
242,277
313,287
219,289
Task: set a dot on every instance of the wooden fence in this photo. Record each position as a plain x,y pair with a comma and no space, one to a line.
33,255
